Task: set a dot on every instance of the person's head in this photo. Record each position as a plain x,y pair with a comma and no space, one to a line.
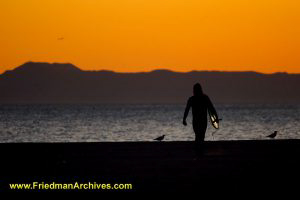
198,89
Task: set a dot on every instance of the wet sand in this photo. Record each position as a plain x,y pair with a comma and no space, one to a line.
157,166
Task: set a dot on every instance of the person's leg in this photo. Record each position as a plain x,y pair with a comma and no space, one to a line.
199,138
198,146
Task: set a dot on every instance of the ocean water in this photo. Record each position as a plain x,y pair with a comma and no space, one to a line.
97,123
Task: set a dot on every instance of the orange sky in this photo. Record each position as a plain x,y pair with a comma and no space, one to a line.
141,35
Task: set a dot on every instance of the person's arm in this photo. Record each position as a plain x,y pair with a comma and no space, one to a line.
186,112
211,107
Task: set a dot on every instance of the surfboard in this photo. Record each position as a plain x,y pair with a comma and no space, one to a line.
214,119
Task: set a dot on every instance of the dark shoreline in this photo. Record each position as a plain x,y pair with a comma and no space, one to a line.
156,166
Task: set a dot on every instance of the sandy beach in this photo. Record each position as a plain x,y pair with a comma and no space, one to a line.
156,166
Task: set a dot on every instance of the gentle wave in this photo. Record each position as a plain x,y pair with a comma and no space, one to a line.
96,123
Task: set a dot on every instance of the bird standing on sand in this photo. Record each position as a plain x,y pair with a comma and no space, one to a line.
273,135
160,138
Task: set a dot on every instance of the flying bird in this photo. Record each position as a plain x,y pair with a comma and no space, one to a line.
273,135
160,138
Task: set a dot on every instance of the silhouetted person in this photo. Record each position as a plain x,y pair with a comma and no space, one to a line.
200,104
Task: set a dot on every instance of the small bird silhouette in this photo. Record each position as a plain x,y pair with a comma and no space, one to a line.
273,135
160,138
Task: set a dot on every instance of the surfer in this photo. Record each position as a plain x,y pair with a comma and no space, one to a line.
201,105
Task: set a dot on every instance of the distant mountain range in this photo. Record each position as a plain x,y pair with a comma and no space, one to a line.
65,83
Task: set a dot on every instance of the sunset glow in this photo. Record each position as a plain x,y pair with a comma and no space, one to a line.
142,35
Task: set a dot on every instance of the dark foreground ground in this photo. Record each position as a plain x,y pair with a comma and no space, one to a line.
157,166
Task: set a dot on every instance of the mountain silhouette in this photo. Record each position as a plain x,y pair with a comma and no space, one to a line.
65,83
